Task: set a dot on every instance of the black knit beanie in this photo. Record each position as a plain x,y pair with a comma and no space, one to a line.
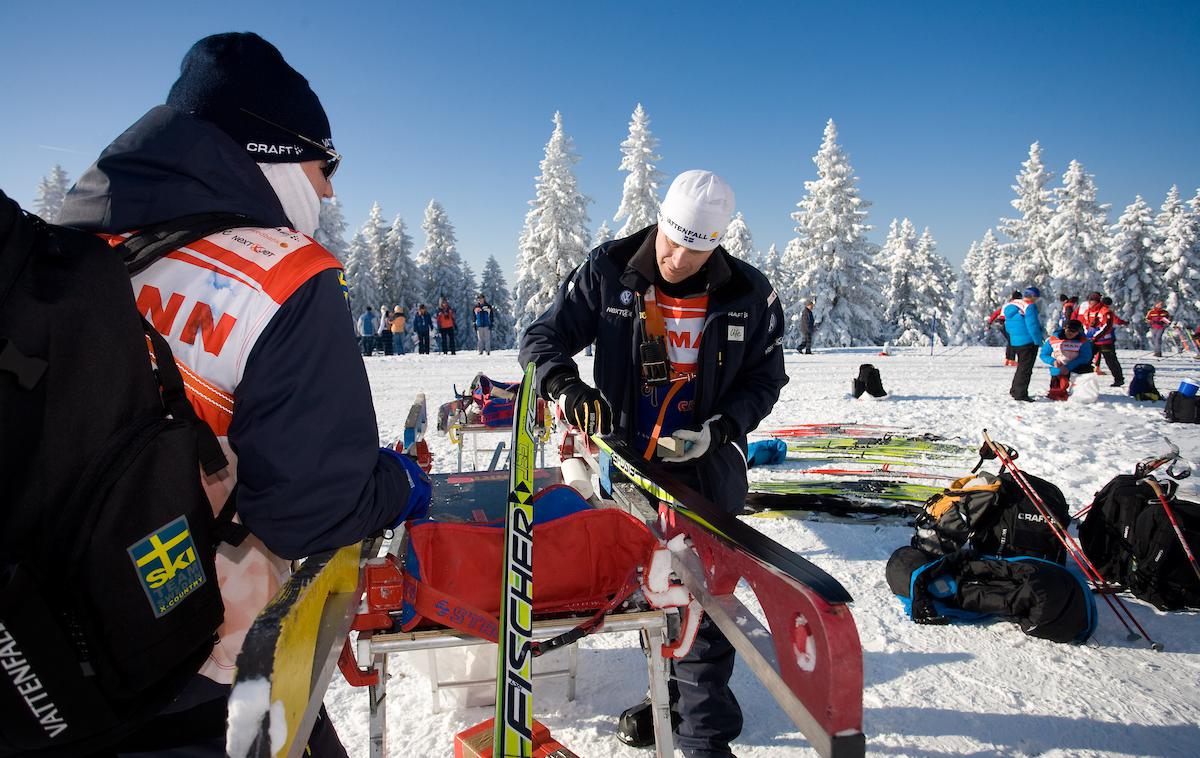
225,73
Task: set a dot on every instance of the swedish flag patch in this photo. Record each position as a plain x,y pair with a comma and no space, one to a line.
167,565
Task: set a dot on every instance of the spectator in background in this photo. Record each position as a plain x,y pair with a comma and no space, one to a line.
385,330
1099,327
1158,318
1024,326
807,327
365,328
446,325
422,324
483,324
399,321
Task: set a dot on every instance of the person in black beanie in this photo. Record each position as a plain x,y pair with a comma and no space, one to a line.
243,145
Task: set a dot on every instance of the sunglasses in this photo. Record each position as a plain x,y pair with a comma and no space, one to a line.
333,158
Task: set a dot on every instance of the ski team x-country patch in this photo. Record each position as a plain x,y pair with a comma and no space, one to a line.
167,567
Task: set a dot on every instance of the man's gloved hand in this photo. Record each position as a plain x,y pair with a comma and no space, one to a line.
703,439
420,489
582,404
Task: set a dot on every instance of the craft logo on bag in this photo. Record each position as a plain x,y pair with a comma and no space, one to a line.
167,565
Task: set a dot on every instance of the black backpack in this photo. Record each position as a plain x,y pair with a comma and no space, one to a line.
1106,532
1182,409
1159,570
996,518
1044,598
108,593
1019,528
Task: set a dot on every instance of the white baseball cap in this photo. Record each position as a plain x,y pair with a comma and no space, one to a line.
697,210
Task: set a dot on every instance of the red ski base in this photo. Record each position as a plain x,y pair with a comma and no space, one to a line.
476,742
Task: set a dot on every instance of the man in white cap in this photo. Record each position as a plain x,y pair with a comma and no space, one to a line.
687,347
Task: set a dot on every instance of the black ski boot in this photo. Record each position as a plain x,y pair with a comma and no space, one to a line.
636,725
869,379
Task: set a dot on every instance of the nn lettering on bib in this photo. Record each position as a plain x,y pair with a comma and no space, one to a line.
200,322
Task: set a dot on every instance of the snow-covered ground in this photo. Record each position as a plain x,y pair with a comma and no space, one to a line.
961,690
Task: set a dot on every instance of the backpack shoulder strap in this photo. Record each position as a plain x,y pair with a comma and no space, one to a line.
153,242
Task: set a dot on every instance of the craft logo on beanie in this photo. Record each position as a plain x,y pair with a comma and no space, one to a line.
241,83
697,209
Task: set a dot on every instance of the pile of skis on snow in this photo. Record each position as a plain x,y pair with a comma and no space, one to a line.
866,472
998,546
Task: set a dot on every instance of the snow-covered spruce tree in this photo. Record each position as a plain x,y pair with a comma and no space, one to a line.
898,257
331,230
1027,259
495,288
639,200
936,289
829,260
738,241
771,267
555,237
964,326
365,248
441,271
989,290
51,191
1178,259
469,286
402,284
1077,235
882,265
603,234
917,291
1129,272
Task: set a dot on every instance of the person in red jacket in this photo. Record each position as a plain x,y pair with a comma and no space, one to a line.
446,325
1099,326
1159,319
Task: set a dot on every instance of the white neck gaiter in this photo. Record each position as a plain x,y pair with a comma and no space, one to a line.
296,194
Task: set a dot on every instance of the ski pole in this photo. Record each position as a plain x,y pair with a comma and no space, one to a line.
1162,498
1072,547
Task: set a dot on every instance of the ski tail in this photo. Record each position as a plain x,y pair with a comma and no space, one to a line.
290,654
513,728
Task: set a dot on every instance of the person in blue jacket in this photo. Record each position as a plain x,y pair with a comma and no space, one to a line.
1023,324
422,323
1068,352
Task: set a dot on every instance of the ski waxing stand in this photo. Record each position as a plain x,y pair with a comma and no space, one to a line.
383,586
459,434
651,625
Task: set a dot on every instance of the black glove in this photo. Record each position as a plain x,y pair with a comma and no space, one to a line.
582,404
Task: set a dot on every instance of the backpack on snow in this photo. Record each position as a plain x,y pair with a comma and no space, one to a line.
1182,409
1106,532
1159,570
108,592
1045,599
584,559
869,381
948,519
1141,386
994,515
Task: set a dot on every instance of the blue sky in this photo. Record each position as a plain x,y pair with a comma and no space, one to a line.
935,102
